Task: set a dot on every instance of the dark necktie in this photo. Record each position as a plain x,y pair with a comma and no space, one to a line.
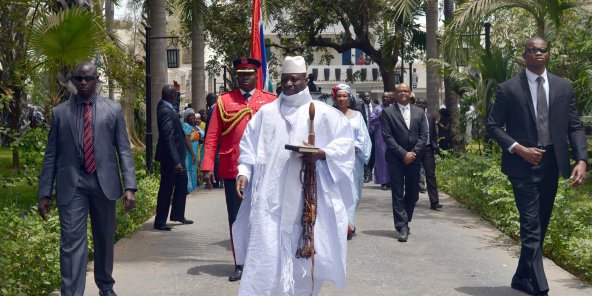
89,149
247,96
542,114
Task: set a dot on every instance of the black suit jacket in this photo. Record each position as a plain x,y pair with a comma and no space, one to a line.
171,139
398,138
514,109
362,108
433,130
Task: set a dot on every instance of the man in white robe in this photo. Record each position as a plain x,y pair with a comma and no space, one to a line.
269,178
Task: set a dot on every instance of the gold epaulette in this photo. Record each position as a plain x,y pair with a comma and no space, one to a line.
232,119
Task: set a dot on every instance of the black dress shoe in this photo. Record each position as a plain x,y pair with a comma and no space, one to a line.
184,221
164,227
436,207
237,275
109,292
403,234
523,285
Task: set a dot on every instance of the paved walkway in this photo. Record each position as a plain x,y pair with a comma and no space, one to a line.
451,252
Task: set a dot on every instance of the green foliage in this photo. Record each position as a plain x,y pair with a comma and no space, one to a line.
29,252
478,183
29,246
127,223
228,31
571,57
66,38
19,187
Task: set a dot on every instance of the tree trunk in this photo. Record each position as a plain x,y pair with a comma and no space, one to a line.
15,112
198,42
109,16
451,98
433,83
157,18
388,78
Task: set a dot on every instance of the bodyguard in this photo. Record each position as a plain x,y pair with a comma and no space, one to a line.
87,149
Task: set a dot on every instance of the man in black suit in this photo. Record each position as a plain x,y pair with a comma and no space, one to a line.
366,110
405,131
538,110
87,149
170,152
427,156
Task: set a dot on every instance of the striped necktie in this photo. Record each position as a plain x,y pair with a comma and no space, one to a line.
89,149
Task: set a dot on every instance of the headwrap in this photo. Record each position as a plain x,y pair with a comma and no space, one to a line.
186,113
339,87
197,116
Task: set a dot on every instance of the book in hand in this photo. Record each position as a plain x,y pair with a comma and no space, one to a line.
302,149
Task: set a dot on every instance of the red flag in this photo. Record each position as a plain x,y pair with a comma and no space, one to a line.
258,44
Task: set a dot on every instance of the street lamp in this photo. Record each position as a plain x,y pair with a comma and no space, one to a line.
171,59
464,58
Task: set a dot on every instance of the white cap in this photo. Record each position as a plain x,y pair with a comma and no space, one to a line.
294,64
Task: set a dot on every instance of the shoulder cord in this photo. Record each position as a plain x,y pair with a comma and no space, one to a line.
235,118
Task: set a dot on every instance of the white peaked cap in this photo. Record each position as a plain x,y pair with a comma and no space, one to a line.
294,64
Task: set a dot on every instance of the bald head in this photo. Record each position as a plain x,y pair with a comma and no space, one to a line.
86,66
85,79
533,40
169,93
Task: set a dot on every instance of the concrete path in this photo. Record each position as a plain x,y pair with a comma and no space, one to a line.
450,252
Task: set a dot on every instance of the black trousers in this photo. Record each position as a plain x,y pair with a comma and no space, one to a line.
535,196
233,203
171,185
404,190
370,166
428,161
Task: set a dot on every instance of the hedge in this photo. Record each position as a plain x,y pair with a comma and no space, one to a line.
478,183
29,246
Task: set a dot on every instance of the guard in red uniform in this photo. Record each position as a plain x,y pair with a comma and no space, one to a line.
229,118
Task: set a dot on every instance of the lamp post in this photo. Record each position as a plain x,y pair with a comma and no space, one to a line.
173,62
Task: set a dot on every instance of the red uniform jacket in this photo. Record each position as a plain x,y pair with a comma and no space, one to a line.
233,103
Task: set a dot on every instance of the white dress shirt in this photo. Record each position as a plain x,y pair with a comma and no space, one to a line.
406,112
533,86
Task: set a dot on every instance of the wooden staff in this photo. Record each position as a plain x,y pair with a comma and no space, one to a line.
308,178
311,132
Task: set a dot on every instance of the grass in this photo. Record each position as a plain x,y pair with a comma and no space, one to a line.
15,187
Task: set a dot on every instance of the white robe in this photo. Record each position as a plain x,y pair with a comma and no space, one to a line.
363,147
268,223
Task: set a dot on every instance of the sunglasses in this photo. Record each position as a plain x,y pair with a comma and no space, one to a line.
86,78
534,50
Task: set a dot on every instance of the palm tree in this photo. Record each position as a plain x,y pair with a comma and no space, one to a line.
450,96
62,40
471,13
433,83
493,67
157,18
193,12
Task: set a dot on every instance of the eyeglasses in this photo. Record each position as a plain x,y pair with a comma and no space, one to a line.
534,50
421,104
86,78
